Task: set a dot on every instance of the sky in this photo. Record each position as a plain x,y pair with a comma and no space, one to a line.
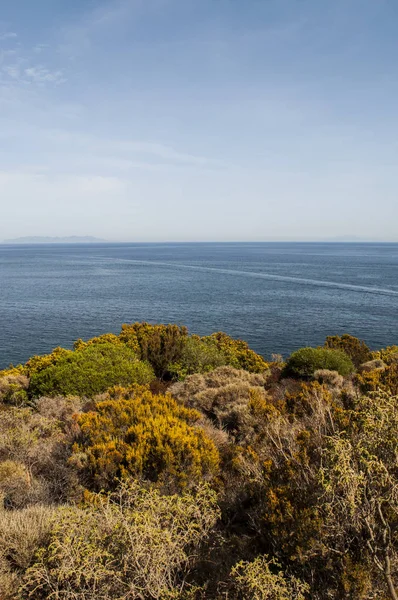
199,120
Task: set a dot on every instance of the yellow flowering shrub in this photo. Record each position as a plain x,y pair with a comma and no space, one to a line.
134,432
379,379
12,371
39,363
106,338
237,353
356,349
388,355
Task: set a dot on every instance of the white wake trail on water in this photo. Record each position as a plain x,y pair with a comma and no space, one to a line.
270,276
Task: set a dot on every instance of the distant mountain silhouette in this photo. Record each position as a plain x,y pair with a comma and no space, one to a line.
72,239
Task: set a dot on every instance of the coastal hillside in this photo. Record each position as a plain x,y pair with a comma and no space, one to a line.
156,464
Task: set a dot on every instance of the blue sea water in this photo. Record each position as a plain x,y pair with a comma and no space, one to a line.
277,296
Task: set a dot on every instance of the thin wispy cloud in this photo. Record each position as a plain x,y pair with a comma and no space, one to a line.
121,154
19,65
40,74
37,74
8,35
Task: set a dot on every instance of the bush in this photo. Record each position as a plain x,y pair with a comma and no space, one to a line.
304,362
106,338
60,409
12,371
38,363
22,532
331,378
133,432
226,397
262,579
237,353
26,436
160,345
13,389
34,450
166,346
134,544
388,355
372,365
197,356
19,488
356,349
90,371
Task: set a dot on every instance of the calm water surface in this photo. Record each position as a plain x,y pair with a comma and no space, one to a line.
276,296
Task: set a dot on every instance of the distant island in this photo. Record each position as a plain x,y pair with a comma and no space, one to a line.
72,239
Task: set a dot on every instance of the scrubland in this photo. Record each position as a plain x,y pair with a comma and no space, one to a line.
155,464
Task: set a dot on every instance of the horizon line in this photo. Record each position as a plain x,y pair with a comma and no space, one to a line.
274,241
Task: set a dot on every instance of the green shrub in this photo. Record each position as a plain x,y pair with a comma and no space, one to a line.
171,351
304,362
91,371
197,356
160,345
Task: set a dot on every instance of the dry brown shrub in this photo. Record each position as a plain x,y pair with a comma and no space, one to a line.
26,436
22,532
224,396
218,436
9,583
218,378
372,365
332,378
18,488
40,447
134,544
60,408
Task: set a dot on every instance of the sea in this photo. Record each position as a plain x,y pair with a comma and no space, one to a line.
276,296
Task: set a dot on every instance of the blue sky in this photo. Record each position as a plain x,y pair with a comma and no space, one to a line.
153,120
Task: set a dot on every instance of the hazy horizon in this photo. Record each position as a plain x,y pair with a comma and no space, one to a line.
188,120
81,240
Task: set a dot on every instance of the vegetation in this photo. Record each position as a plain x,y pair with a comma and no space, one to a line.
237,352
306,361
159,465
198,356
90,371
357,350
133,432
136,543
257,580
